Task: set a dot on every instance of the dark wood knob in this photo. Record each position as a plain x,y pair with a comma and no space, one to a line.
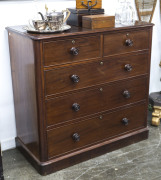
76,107
125,121
128,67
129,42
126,94
74,51
76,137
75,78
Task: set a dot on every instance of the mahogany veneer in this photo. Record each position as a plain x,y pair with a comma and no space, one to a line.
98,99
117,43
58,52
97,129
100,71
80,93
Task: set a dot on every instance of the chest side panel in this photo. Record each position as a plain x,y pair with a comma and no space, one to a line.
24,89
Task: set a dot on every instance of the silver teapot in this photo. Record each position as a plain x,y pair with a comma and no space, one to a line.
55,20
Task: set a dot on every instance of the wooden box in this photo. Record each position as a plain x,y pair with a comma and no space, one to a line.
79,4
98,21
75,18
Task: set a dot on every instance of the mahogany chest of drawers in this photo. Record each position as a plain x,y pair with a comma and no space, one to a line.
80,93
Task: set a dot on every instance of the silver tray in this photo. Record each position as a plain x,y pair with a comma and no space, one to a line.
32,30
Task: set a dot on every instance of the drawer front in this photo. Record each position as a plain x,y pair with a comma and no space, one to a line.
75,77
75,136
126,42
71,50
98,99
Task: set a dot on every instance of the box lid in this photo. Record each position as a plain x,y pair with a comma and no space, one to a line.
85,11
98,17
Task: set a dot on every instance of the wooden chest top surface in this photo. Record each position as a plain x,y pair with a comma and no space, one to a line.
75,31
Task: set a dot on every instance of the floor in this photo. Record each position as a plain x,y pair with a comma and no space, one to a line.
141,161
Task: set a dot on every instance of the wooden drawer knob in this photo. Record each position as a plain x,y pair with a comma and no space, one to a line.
75,78
74,51
126,94
128,67
125,121
76,107
129,42
76,137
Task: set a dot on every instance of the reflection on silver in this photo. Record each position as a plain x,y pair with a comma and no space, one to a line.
30,29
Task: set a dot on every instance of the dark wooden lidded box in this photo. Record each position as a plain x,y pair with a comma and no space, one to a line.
80,93
75,19
98,21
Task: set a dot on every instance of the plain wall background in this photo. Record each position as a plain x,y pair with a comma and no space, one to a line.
18,13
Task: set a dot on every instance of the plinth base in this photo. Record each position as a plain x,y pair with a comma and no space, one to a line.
54,165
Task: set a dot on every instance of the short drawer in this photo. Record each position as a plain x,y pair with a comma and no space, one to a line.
100,98
71,50
124,42
75,77
85,133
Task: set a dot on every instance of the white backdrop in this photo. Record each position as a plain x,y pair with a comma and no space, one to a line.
18,13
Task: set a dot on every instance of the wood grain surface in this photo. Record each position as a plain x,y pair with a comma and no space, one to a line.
58,52
58,80
95,129
23,78
98,21
115,43
94,100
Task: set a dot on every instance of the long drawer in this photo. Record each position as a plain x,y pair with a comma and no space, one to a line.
124,42
75,77
71,50
74,136
100,98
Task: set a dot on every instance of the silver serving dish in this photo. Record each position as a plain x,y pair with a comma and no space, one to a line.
30,29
